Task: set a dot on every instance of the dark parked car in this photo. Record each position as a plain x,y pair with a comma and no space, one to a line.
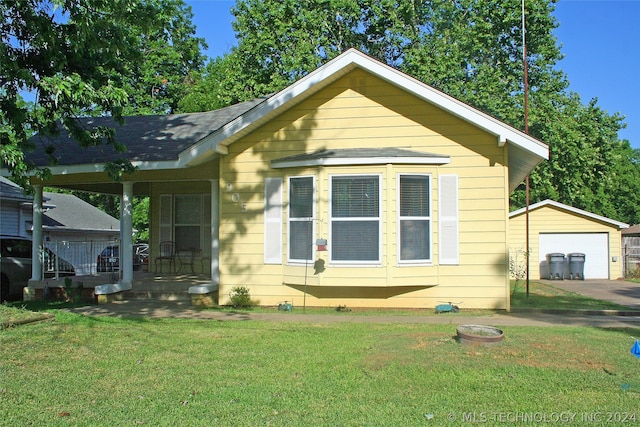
109,258
15,266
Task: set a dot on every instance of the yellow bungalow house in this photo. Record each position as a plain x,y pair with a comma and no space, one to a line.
357,185
558,228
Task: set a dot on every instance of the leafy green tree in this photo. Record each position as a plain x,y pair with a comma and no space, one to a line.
141,219
61,59
171,60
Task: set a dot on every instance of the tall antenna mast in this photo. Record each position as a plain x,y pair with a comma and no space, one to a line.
526,130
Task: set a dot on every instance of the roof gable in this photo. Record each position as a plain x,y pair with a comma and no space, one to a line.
525,152
569,209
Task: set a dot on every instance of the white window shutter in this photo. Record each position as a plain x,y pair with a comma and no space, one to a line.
448,220
273,221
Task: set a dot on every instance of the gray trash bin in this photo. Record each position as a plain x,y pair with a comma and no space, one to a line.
576,266
555,264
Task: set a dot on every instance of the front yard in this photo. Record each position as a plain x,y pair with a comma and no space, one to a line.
90,371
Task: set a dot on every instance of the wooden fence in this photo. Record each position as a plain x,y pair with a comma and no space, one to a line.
631,256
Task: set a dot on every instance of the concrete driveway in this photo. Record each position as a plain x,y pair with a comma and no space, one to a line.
617,291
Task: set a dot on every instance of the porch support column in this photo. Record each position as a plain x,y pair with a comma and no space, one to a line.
36,248
126,234
215,232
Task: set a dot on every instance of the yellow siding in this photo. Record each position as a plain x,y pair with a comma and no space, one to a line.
549,219
370,113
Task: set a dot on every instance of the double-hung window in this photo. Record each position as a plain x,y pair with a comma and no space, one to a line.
414,218
301,218
186,220
355,219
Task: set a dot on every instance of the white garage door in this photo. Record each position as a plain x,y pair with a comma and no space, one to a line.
595,246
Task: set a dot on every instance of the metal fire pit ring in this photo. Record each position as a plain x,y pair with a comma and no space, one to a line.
479,334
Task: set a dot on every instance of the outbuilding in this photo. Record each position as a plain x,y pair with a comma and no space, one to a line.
558,228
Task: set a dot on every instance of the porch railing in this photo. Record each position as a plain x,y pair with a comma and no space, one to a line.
81,255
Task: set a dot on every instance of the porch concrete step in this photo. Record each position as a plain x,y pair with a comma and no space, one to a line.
158,295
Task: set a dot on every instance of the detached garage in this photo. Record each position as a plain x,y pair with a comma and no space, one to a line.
558,228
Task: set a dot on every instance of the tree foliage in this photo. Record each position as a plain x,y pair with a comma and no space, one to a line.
171,60
470,49
61,59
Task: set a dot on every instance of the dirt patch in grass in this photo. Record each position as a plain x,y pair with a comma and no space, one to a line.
434,348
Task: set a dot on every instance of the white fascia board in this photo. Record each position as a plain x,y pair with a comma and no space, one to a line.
568,208
361,161
99,167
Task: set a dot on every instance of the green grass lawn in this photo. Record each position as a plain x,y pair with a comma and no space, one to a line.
87,371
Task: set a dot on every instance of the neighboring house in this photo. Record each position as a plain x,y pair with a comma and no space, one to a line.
558,228
12,215
77,230
408,186
631,250
72,228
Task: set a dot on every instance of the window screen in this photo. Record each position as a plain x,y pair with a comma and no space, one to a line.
355,218
415,218
301,221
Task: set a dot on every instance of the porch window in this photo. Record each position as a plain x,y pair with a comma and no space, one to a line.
186,220
301,218
355,219
414,218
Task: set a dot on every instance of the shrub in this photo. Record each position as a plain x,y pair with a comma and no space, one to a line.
240,297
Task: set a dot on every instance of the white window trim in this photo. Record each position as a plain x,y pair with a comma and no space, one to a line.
312,219
399,218
377,262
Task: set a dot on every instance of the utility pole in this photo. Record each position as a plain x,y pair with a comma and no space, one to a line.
526,130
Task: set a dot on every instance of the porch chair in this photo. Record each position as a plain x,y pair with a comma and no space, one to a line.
167,252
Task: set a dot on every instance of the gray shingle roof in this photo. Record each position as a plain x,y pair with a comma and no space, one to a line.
11,191
72,213
148,138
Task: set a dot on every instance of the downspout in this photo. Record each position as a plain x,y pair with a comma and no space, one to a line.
526,130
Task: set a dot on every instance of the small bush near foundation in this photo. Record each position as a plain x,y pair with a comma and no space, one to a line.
240,297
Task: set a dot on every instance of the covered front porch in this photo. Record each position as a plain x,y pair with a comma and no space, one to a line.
145,285
183,212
